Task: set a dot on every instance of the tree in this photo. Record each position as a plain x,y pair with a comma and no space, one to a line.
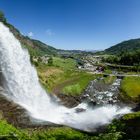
2,17
50,61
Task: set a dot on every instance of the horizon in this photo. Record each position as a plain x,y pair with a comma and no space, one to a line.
75,24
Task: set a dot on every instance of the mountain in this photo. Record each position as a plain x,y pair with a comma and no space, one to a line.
125,46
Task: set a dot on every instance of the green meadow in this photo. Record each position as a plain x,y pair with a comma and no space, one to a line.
130,87
63,76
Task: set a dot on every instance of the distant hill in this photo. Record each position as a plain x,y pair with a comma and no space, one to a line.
125,46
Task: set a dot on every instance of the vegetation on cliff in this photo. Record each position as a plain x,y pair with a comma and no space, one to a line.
9,132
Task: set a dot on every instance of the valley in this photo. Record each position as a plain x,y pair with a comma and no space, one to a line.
101,88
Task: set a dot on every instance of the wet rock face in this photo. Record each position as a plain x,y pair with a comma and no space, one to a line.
2,81
12,112
69,101
98,93
17,116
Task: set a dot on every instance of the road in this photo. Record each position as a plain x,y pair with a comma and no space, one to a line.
122,75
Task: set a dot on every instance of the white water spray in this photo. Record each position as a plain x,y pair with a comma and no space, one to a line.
23,87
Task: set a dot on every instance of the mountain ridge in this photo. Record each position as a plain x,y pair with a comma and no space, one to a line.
36,47
124,46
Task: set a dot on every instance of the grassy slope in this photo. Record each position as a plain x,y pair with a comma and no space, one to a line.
64,76
77,87
9,132
132,115
130,87
65,64
49,76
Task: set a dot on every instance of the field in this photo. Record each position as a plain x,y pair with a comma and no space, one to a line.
79,84
130,87
66,64
63,77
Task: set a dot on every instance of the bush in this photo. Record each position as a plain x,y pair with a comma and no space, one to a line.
9,132
60,134
50,61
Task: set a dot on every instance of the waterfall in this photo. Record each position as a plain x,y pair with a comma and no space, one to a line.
23,87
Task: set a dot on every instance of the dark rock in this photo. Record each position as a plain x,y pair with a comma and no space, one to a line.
79,110
18,116
137,108
92,103
132,127
69,101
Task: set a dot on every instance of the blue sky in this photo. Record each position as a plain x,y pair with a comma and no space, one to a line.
75,24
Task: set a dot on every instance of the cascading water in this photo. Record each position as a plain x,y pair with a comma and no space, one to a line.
23,87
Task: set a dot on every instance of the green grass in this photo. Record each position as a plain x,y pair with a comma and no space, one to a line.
66,133
64,63
64,76
9,132
32,51
52,76
49,76
131,116
78,86
74,89
63,133
130,87
108,71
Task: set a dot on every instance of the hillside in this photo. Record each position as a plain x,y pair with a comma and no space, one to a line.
61,76
35,47
125,53
125,46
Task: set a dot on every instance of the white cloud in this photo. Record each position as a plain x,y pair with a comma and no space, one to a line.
49,32
30,34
